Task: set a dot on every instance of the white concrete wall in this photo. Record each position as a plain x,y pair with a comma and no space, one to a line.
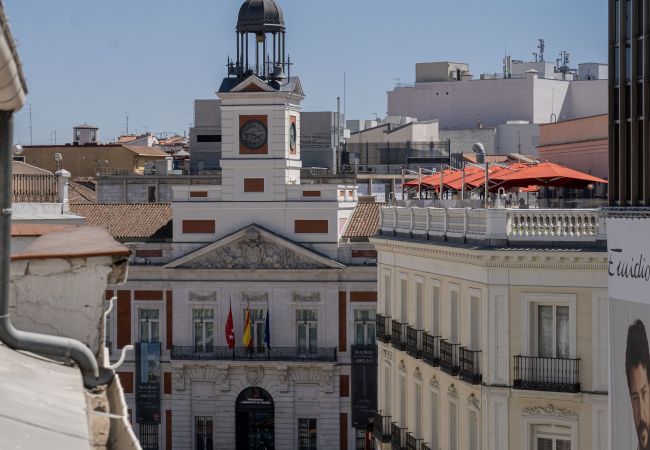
518,138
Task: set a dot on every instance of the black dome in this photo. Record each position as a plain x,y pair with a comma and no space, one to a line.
260,16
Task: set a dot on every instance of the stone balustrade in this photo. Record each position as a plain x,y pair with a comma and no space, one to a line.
498,226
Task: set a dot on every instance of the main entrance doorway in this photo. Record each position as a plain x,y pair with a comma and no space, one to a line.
255,426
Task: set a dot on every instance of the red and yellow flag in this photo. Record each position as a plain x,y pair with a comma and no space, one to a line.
246,338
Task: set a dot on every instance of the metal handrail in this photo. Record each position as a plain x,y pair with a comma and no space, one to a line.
383,328
542,373
220,353
431,349
449,357
414,342
398,331
470,366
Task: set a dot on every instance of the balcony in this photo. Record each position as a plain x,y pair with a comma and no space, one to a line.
397,437
414,342
383,328
449,357
547,374
470,366
412,443
382,428
398,332
210,353
497,226
425,446
431,349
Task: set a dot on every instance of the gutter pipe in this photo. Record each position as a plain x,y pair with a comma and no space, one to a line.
12,337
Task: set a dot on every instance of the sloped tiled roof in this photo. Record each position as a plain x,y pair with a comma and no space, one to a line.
129,221
80,193
21,168
364,221
145,151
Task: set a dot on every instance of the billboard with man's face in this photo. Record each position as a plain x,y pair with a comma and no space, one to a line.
629,315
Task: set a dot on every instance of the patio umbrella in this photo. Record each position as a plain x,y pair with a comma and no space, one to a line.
546,174
433,181
496,172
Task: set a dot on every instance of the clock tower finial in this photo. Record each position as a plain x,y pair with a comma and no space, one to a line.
261,42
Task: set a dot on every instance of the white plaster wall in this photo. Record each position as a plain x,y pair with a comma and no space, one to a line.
518,138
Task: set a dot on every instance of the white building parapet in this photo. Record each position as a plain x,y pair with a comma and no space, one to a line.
497,226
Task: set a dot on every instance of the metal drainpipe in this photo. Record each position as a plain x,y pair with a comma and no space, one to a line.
22,340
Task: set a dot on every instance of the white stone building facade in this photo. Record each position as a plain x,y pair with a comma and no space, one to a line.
491,330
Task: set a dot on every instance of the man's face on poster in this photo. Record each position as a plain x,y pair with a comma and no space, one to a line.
640,397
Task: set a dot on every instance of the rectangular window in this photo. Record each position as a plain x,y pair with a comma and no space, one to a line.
364,327
258,324
418,410
552,437
553,331
453,308
453,426
435,421
149,325
307,434
198,226
474,442
419,292
253,184
387,295
403,300
311,227
475,326
108,332
307,329
203,329
387,407
435,311
151,194
203,429
402,401
208,138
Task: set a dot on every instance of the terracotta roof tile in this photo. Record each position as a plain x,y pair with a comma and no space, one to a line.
129,221
364,221
80,193
145,151
21,168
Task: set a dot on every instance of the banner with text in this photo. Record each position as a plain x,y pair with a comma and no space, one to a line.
147,400
629,323
364,384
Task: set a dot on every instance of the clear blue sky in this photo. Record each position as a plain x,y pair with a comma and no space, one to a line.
92,61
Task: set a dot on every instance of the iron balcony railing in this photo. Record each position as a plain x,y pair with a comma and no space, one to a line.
383,328
425,446
547,374
397,437
214,353
398,332
414,342
35,188
382,427
412,443
431,349
470,366
449,357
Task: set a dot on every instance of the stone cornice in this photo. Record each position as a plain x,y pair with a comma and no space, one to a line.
512,258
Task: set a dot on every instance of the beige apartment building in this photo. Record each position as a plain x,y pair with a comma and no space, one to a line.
492,330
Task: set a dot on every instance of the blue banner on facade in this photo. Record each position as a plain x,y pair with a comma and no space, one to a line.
147,400
364,384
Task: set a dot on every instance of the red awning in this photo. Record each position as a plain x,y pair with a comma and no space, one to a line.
546,174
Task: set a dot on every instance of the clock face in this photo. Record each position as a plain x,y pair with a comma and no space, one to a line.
253,134
292,137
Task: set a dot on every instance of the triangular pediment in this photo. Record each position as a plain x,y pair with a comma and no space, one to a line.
254,247
252,84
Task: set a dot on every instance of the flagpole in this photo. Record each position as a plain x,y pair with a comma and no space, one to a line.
233,329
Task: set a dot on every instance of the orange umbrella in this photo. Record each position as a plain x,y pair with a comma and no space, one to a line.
547,174
496,172
433,181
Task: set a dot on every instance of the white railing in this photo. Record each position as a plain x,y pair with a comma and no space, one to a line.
498,224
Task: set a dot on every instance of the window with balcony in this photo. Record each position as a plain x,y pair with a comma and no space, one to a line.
387,295
149,436
203,329
551,437
387,406
108,334
364,327
454,311
552,332
203,427
149,325
307,329
435,309
402,401
258,324
403,297
307,434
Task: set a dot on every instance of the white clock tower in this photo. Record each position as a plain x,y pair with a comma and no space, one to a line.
260,110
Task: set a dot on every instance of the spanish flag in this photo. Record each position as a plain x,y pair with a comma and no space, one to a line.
246,338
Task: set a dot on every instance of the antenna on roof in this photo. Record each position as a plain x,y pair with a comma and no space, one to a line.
541,46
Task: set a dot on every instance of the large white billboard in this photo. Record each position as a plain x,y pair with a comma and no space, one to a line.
628,242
